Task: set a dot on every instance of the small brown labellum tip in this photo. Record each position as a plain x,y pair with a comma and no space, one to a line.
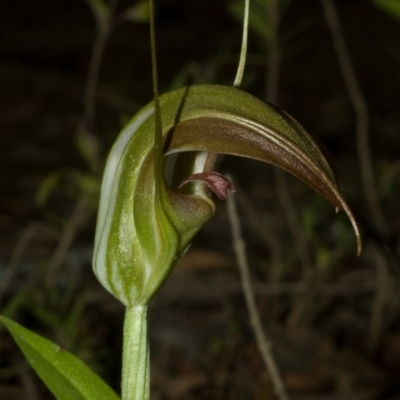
215,181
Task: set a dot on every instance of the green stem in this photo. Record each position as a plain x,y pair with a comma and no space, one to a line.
243,51
135,356
158,150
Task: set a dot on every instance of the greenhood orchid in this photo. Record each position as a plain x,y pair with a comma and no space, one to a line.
146,224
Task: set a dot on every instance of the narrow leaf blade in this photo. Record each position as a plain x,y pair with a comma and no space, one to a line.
67,377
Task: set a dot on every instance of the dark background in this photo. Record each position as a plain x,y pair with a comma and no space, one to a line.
334,322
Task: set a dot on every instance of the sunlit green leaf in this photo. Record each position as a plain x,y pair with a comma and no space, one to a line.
46,186
87,183
138,12
66,376
88,146
391,7
100,9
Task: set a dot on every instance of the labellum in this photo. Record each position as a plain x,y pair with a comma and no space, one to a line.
214,181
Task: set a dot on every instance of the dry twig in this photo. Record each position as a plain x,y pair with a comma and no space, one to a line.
382,294
361,110
263,343
18,252
273,72
104,27
80,214
384,290
265,233
284,196
82,210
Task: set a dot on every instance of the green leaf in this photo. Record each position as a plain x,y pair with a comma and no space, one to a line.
66,376
391,7
88,146
46,186
100,9
138,12
141,233
86,183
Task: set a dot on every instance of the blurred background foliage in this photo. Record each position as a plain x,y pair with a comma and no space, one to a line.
333,318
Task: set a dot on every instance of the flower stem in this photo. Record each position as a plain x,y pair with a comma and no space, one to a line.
243,51
135,356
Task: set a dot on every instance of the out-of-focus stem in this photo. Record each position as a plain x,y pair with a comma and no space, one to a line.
263,343
361,110
104,27
284,196
93,75
383,296
264,232
272,84
383,289
79,216
18,251
274,56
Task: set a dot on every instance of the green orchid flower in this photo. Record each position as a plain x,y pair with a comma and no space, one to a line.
149,214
